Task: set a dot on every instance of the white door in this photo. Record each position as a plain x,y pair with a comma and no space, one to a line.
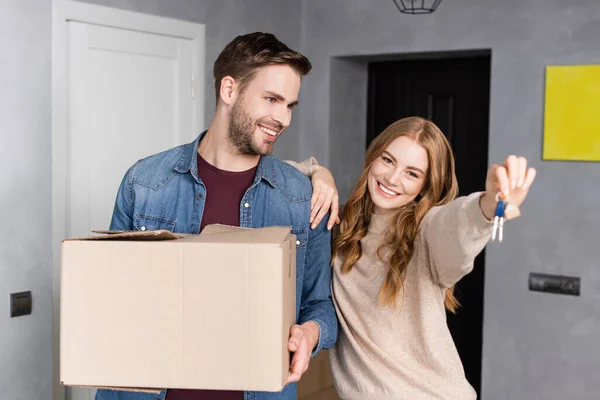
129,94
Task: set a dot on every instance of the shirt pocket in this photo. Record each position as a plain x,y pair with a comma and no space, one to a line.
143,222
301,244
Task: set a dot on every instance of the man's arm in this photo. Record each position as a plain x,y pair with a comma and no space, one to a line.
317,323
122,217
316,304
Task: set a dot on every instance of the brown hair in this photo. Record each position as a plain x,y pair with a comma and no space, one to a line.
440,188
245,54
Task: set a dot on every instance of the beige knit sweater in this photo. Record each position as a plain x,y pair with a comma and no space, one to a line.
406,352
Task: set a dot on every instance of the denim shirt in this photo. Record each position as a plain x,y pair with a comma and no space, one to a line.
164,191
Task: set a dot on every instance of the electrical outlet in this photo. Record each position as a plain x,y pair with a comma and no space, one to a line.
20,304
555,284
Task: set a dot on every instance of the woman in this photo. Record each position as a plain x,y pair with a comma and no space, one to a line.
404,242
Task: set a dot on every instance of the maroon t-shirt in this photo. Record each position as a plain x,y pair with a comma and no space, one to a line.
224,192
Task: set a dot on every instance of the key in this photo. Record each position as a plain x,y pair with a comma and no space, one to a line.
504,212
510,211
498,219
501,229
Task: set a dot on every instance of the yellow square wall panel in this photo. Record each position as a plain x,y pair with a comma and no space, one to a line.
572,113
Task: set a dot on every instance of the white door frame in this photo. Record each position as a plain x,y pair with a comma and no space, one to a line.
62,12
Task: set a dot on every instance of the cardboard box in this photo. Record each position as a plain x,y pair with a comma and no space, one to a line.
159,310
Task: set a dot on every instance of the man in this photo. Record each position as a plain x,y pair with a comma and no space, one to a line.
227,176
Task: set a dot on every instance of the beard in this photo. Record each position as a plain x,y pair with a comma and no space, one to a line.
241,132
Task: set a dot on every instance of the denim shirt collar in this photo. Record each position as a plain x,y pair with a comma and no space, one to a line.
188,162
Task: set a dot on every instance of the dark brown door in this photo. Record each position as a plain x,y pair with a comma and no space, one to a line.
454,93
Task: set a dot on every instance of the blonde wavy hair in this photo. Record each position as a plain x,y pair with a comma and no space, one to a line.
440,188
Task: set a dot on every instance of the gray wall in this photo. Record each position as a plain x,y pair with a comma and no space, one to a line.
536,346
224,20
25,182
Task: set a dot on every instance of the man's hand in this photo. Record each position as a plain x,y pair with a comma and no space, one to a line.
303,339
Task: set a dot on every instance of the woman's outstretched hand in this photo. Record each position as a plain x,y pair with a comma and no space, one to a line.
512,180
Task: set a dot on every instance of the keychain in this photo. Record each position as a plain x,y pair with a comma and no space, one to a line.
504,211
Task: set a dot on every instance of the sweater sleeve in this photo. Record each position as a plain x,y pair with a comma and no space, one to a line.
306,166
454,235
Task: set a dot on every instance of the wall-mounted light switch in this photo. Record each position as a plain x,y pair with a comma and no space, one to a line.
20,304
555,284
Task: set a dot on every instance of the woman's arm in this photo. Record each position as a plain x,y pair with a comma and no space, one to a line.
457,232
306,166
454,235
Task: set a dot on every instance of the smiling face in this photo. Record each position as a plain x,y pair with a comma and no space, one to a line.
264,109
397,176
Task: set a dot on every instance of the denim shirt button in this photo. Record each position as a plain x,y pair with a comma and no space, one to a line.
199,195
246,205
143,228
297,243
